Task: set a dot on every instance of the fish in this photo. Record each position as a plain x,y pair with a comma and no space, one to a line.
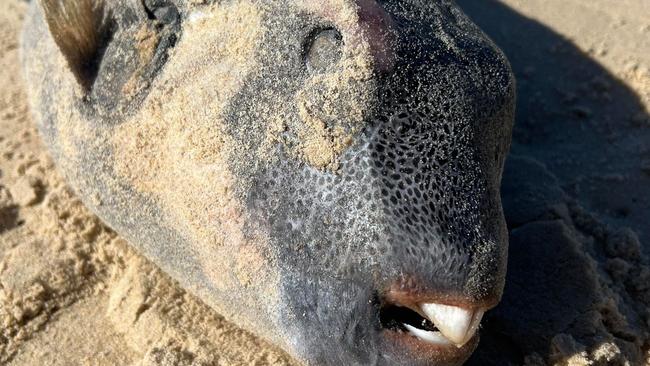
323,173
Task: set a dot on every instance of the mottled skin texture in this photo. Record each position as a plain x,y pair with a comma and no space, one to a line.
410,209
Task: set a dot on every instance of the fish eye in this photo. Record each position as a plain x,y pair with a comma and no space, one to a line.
323,49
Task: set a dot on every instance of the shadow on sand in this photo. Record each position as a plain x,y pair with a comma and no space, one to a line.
574,178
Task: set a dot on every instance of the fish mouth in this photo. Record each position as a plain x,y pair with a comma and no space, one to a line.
429,327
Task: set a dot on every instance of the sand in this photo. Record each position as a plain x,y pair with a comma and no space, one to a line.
576,188
72,292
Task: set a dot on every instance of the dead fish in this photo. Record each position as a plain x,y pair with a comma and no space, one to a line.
324,173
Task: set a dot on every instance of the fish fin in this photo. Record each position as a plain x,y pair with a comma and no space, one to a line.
78,29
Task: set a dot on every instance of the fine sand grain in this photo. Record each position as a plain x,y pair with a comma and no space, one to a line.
72,292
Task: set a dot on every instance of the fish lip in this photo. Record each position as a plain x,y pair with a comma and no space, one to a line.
412,299
410,292
403,345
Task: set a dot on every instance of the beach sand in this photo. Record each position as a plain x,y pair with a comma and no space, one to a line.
576,196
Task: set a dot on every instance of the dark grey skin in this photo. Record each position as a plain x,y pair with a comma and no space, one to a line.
409,214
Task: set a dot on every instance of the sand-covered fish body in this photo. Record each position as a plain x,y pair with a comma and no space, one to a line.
323,173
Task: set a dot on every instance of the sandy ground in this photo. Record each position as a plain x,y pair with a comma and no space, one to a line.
576,195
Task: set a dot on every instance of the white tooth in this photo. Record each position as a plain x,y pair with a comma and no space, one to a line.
425,335
455,323
476,322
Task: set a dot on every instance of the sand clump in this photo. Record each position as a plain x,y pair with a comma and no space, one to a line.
322,141
332,105
175,150
595,285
